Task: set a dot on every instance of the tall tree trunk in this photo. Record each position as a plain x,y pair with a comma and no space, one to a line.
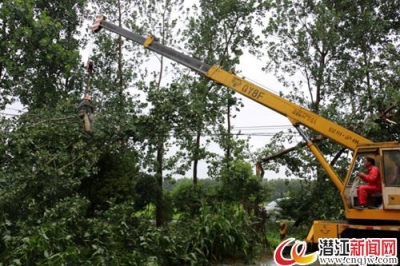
120,75
159,176
196,158
160,151
228,137
2,51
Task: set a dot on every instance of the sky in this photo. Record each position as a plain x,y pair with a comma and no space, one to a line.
254,114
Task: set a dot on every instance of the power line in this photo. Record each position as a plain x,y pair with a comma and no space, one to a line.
258,134
261,127
266,129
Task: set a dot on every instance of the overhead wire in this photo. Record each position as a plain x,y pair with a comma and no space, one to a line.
254,131
248,128
265,126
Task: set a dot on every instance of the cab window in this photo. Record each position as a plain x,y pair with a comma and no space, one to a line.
391,161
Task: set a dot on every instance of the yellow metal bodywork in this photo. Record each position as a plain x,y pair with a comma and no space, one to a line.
323,230
394,200
385,212
149,40
372,214
294,112
335,229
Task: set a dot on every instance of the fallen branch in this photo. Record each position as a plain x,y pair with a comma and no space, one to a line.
53,120
283,152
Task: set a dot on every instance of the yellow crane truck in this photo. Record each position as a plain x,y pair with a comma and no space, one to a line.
381,221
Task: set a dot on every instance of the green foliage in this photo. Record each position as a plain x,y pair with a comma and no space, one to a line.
50,240
223,234
305,200
188,197
161,246
145,189
113,181
280,187
168,206
46,158
230,23
348,77
64,236
32,47
240,185
343,65
70,198
309,202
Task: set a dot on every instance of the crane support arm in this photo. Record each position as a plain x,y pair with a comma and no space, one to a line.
295,113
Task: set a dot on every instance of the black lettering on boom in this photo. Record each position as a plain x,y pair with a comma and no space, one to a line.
304,115
252,92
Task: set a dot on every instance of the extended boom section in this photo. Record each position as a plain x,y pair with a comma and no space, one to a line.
295,113
151,43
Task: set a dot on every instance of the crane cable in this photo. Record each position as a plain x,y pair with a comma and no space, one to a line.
89,70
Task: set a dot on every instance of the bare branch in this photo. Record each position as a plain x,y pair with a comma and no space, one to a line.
283,152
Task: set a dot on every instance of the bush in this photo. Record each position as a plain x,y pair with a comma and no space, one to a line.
187,197
225,233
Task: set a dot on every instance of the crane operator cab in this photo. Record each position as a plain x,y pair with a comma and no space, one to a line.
388,162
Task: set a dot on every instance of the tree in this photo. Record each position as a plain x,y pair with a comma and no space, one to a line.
38,41
188,197
39,67
117,115
316,52
67,196
46,155
218,32
319,42
161,96
240,185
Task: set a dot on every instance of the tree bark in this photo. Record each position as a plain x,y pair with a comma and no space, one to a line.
159,177
196,159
